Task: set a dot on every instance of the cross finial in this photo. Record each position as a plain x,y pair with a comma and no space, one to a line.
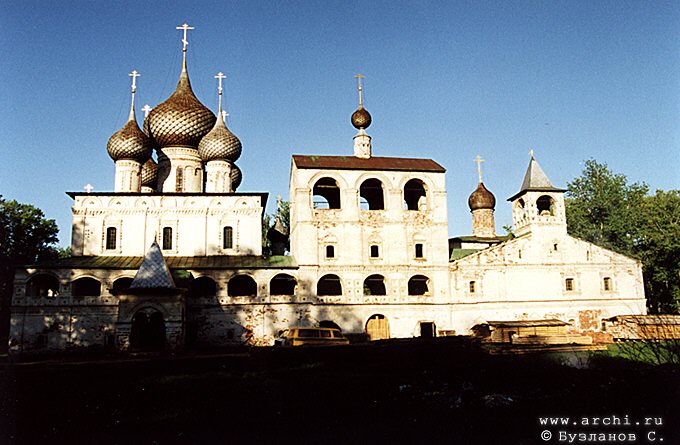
219,78
479,161
146,109
134,74
224,116
185,27
531,152
88,188
361,89
278,203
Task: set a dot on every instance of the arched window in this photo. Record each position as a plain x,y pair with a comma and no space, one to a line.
282,284
86,287
329,285
228,237
42,285
545,205
418,285
371,195
472,285
203,287
326,194
375,285
167,237
415,197
111,233
121,284
330,251
179,180
375,251
242,286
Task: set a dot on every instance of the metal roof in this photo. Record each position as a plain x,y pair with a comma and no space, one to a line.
372,163
535,180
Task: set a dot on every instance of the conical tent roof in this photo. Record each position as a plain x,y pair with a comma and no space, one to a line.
535,180
153,273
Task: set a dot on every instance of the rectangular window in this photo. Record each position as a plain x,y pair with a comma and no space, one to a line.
179,180
473,287
375,251
569,284
228,237
607,284
419,250
111,233
330,251
167,238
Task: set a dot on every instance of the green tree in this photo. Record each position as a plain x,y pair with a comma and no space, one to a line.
603,208
26,237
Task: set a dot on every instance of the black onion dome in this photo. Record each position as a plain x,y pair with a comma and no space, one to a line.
481,198
219,144
236,177
150,174
130,143
361,118
182,120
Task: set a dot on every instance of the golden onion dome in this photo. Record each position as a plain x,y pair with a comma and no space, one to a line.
361,118
481,198
182,120
236,177
150,174
219,144
130,142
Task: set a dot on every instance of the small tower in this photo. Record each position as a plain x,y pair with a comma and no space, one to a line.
482,204
361,119
129,147
538,206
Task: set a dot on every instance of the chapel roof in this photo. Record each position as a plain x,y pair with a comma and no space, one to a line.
372,163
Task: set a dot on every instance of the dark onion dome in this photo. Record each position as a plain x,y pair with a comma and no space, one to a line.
219,144
361,118
129,142
182,120
150,174
481,199
236,177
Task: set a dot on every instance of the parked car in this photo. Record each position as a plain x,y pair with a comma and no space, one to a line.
311,336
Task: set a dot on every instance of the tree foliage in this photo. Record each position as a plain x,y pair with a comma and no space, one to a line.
603,208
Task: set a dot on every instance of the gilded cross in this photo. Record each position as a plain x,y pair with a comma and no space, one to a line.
479,161
185,28
146,109
88,188
134,74
531,152
361,98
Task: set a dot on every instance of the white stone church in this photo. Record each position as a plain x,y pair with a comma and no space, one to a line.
173,257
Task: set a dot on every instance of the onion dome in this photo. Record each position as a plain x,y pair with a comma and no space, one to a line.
361,118
150,174
130,142
182,120
219,144
236,177
481,198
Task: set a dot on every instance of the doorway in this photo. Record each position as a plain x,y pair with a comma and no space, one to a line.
148,330
427,329
377,327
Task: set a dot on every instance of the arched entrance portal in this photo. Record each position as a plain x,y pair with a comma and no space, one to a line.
148,330
377,327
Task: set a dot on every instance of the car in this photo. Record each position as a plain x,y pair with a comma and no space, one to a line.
311,337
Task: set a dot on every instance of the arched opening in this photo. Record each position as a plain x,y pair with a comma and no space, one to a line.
545,206
418,285
120,285
86,287
282,284
377,327
371,196
329,324
111,237
415,196
42,285
242,286
203,287
375,285
147,332
329,285
326,194
227,237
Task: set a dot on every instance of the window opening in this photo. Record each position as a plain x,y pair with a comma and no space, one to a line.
167,238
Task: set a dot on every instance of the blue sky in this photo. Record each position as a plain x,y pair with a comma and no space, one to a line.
445,80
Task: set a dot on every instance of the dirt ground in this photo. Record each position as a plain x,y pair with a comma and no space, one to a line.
439,391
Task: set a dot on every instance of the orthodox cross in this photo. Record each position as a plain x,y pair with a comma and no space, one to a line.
185,28
224,116
361,98
134,74
146,109
219,78
479,161
88,188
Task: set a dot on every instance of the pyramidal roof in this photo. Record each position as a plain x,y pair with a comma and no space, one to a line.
153,273
535,180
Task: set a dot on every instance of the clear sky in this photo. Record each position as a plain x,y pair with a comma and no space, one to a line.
445,80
